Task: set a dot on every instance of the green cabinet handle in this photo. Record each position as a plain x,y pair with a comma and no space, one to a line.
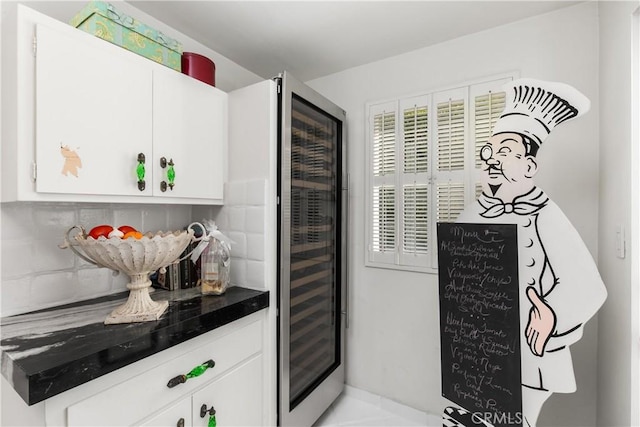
195,372
171,174
140,171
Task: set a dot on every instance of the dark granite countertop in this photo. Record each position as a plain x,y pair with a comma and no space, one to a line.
47,352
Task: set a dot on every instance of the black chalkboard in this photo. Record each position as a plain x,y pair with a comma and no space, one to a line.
480,320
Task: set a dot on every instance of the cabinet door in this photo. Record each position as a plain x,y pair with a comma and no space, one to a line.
189,130
236,397
178,415
93,116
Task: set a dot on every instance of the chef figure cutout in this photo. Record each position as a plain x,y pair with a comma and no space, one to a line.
559,285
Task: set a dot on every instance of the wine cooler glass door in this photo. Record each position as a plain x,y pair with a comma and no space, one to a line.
311,254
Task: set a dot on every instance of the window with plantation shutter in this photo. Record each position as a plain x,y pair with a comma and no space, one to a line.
422,168
413,212
384,219
384,143
415,139
415,219
451,134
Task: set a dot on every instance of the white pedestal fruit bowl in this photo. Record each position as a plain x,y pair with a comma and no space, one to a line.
137,258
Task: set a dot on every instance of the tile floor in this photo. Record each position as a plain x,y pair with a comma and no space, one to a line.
359,408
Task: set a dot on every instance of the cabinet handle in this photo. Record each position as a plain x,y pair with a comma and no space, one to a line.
180,423
140,172
195,372
171,174
212,415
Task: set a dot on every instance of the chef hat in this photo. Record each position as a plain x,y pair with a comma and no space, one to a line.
534,107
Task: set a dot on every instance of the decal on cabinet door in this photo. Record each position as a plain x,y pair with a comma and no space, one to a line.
72,161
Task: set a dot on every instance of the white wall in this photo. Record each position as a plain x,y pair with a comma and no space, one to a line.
616,340
393,342
35,272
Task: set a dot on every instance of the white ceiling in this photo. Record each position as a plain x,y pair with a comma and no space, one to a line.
312,39
316,38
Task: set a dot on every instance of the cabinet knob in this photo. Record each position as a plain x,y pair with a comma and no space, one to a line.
140,171
180,423
212,415
204,411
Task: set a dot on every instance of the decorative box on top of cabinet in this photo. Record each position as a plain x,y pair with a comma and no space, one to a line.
89,121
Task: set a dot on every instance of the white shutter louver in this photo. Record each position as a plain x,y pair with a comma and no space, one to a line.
449,200
384,141
488,108
415,219
384,219
416,141
451,130
423,168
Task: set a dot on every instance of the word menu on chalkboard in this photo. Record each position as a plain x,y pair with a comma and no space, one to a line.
480,320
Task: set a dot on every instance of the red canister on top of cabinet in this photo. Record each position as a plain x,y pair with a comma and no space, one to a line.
199,67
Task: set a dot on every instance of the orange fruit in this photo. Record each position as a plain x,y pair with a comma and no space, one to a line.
134,234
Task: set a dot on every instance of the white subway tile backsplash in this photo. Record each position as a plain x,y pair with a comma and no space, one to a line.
127,216
15,296
54,288
93,281
242,219
47,256
17,256
255,274
119,281
238,271
17,223
256,191
90,217
236,194
239,245
255,247
222,219
37,274
254,222
154,218
178,217
52,222
209,212
236,217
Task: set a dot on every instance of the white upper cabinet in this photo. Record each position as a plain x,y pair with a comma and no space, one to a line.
188,136
88,121
93,117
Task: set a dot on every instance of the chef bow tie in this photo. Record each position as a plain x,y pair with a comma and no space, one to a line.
527,204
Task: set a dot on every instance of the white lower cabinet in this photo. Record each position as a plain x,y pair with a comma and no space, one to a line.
235,397
138,394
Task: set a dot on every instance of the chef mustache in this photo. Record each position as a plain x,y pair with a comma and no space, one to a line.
494,169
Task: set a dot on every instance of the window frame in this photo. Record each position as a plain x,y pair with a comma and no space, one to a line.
399,259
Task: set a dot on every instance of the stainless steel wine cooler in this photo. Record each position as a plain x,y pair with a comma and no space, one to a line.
313,200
